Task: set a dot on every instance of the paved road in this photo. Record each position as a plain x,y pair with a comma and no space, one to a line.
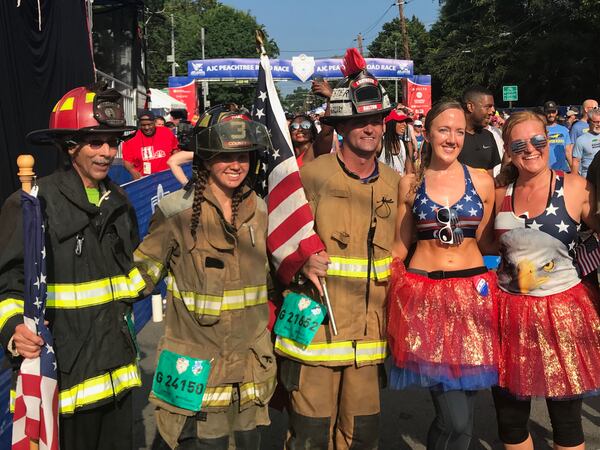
406,415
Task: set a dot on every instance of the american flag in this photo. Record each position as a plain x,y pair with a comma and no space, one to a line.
588,255
36,403
291,238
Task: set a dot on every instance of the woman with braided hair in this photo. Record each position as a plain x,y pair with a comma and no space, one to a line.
216,369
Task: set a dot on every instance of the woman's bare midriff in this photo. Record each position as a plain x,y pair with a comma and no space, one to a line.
432,255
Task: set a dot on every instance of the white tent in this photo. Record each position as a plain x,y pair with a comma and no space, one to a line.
160,100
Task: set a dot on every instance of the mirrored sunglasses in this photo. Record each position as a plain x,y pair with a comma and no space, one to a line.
97,143
538,141
305,125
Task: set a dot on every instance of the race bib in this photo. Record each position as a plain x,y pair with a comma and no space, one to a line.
299,318
180,380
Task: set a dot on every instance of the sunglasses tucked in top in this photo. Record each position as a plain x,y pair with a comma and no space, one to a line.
305,125
538,141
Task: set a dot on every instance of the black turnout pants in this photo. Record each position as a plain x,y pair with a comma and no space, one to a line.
108,427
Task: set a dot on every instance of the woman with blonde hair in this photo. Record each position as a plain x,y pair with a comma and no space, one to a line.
549,324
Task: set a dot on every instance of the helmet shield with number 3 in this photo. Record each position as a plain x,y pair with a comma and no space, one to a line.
234,133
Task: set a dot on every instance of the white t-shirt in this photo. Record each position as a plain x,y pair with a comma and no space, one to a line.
398,161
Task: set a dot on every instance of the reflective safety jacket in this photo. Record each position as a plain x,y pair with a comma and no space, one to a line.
355,219
91,284
216,299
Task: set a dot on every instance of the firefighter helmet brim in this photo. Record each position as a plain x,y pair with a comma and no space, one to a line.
83,111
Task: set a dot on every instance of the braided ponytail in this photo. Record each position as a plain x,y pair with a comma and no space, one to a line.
200,180
235,203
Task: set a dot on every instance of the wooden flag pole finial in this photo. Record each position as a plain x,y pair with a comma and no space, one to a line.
260,41
26,173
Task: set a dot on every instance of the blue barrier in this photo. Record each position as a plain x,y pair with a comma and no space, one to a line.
144,194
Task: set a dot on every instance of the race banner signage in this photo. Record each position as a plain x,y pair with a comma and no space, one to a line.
301,68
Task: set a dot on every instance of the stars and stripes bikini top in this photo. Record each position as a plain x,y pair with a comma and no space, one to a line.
537,253
469,208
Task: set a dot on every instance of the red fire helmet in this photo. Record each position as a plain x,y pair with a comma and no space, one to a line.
83,111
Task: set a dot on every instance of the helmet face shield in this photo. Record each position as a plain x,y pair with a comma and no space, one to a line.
359,95
234,134
108,108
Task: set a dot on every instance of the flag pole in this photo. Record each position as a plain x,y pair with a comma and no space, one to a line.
260,48
26,175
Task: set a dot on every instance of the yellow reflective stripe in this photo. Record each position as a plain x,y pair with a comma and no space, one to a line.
150,266
89,97
333,352
217,396
251,391
67,105
9,307
213,304
12,400
383,267
92,293
98,388
371,351
357,267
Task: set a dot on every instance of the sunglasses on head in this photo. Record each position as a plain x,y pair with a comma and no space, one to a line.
305,125
97,143
450,233
538,141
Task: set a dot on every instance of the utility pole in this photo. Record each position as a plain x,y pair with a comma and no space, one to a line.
396,80
359,39
205,104
403,28
173,63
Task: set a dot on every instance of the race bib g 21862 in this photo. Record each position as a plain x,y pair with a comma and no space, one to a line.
180,380
299,318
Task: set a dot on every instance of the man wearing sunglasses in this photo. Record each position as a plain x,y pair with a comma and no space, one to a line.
90,233
333,382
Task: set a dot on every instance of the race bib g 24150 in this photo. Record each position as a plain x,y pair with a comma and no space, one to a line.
180,380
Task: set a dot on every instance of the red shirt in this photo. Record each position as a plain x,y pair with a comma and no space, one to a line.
149,154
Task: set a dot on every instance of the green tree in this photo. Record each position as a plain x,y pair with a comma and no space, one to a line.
229,33
390,39
546,48
300,100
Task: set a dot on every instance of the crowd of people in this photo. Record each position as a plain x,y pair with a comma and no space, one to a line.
406,207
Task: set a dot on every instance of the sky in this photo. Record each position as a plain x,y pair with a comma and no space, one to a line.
325,28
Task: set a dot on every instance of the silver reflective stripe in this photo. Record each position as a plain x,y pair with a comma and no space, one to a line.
357,267
97,292
95,389
214,304
152,267
345,351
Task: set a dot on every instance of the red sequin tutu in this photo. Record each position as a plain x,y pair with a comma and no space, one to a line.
550,346
443,332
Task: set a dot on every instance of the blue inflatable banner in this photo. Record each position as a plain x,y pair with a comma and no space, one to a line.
299,68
